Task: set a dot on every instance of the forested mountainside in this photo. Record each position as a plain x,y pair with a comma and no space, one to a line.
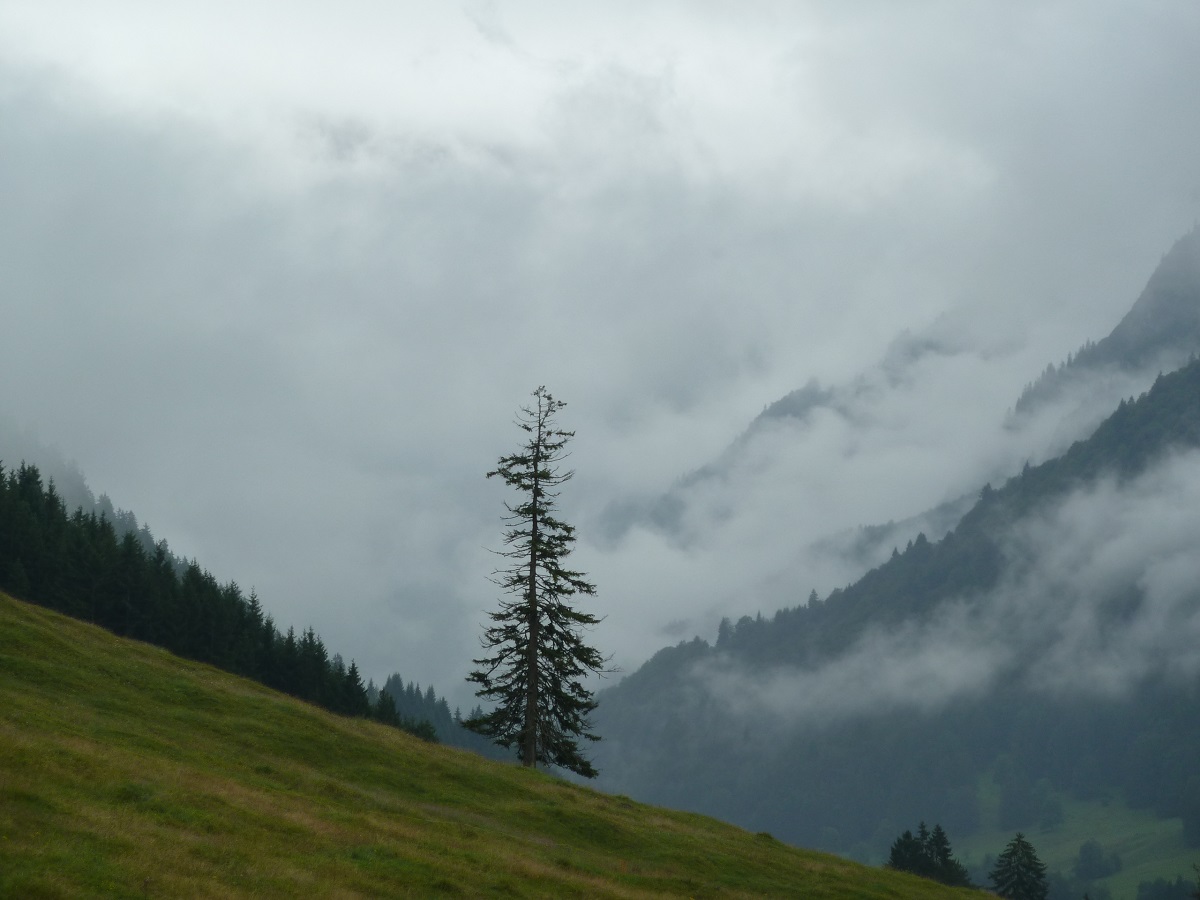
1159,333
100,566
1047,648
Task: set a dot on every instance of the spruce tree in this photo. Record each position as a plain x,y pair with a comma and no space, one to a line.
907,854
929,855
1018,873
946,868
538,658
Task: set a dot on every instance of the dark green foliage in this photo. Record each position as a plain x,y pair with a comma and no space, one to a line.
908,854
539,660
102,567
384,709
928,854
1018,873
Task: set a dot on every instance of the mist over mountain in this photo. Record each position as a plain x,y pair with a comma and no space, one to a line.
19,445
1049,645
890,401
1161,331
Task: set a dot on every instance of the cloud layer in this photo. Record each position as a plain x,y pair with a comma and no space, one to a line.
1101,596
276,278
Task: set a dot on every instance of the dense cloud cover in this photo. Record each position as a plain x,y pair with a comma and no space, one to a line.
277,276
1102,594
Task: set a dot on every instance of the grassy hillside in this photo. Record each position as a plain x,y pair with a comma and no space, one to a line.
1150,847
127,772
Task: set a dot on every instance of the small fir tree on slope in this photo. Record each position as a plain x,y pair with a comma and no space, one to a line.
1018,873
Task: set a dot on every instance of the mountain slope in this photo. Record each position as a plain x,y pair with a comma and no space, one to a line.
891,419
130,773
1048,645
1160,331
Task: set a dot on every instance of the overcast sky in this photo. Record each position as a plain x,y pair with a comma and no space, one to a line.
276,275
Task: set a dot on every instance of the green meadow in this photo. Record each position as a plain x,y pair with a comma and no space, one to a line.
1149,847
128,772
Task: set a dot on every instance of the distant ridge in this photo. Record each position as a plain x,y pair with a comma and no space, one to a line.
1159,333
824,720
1161,329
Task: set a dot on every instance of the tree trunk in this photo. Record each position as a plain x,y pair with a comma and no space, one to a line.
529,753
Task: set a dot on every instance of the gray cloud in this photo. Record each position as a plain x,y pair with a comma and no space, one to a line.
904,447
1102,595
278,279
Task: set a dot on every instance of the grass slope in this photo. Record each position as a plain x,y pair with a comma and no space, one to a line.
127,772
1149,847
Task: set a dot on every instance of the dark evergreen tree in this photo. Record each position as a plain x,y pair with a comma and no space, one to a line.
384,709
907,855
354,693
928,854
539,659
1018,873
946,868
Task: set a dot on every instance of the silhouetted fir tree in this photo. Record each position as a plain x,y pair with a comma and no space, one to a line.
929,855
287,677
384,709
1018,873
538,659
334,689
356,700
907,854
923,838
946,868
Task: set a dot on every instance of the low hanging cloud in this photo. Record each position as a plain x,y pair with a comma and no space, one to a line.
827,482
1102,594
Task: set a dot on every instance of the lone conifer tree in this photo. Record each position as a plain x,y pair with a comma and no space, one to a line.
539,660
1018,873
